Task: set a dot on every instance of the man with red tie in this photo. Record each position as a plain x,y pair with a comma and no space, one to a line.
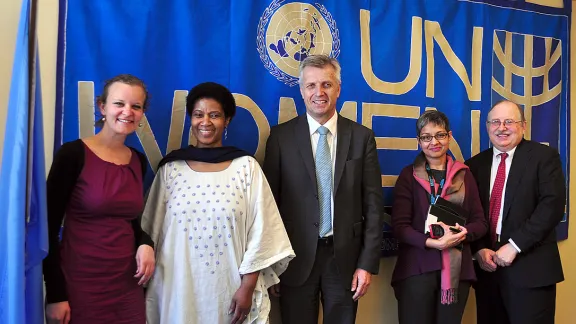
523,192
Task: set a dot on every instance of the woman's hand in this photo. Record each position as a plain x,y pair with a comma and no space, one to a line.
242,300
58,313
241,304
449,239
145,263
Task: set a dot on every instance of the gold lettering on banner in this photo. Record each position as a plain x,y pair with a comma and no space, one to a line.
192,140
454,147
247,103
389,180
397,143
475,124
177,121
548,3
528,60
287,110
415,68
149,144
527,72
433,33
349,110
86,108
369,110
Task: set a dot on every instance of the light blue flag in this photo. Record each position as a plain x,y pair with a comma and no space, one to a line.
23,225
37,225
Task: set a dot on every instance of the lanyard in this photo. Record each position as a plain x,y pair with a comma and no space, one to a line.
433,195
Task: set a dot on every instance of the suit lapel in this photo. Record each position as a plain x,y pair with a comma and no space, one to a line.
302,136
343,144
484,179
519,162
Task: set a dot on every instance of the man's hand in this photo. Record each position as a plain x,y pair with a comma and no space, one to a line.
505,255
360,283
274,290
485,260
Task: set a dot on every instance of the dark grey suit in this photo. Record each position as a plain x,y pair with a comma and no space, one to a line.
358,206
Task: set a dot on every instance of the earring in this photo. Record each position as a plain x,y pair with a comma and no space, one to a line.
225,133
140,125
104,118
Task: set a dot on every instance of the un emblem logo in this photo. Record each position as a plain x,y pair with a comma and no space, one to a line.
289,33
527,69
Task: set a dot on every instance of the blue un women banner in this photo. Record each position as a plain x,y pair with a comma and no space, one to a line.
399,59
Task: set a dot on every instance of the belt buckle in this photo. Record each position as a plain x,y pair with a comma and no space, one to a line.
325,240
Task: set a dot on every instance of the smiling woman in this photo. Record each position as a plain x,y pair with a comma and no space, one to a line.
211,210
97,183
434,273
211,107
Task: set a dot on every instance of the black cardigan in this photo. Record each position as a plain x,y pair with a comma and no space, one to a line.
66,168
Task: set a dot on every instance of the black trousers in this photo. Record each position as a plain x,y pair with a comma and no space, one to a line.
499,302
419,300
300,305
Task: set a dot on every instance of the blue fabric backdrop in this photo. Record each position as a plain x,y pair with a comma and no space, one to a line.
398,59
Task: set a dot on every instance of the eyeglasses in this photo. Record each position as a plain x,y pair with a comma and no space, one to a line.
496,122
438,137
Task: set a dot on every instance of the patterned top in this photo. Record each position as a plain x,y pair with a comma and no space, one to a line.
210,228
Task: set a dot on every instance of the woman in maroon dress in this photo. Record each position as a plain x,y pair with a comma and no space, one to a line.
96,272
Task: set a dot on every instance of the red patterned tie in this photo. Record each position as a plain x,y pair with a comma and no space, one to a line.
496,196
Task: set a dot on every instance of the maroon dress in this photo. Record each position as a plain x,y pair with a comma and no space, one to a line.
98,247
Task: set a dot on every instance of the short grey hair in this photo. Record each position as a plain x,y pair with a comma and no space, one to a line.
435,117
320,61
520,110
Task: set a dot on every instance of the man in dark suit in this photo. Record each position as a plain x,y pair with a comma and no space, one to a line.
523,193
323,170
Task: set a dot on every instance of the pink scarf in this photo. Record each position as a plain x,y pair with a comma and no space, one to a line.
453,191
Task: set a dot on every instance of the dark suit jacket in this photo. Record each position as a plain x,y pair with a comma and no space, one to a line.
358,206
533,206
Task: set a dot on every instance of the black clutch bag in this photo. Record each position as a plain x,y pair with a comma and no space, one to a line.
448,213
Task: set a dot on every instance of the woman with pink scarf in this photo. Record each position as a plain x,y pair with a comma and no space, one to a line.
433,273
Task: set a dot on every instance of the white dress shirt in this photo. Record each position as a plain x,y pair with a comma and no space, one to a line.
495,163
331,124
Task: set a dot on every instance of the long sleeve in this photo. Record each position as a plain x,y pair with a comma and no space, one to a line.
152,221
402,212
66,167
141,237
267,243
550,208
372,209
271,165
477,226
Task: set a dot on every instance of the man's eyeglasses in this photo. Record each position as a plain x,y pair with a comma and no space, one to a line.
428,138
495,123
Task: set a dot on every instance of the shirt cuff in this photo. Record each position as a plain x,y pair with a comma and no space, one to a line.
514,245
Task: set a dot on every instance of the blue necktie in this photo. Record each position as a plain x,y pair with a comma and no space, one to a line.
324,181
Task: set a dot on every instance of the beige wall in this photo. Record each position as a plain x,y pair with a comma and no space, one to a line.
379,306
567,290
9,13
48,36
